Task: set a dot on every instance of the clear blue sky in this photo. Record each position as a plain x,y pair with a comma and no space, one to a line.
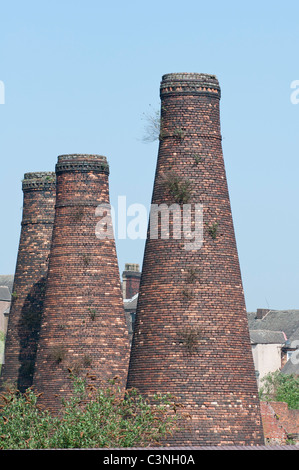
79,75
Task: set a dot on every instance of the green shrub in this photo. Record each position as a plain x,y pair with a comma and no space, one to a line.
280,387
91,418
23,425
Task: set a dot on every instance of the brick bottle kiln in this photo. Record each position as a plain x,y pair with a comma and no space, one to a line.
29,280
83,328
191,334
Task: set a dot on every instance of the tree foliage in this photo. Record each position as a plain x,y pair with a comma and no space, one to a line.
91,418
281,387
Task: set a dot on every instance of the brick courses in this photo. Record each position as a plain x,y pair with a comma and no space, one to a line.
29,280
83,328
191,333
280,423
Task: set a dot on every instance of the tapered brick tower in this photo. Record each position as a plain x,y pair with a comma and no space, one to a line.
29,280
83,328
191,334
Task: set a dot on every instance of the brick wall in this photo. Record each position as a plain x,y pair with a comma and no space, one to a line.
191,333
279,422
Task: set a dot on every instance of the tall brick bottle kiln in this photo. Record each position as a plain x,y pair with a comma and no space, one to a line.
83,328
30,277
191,334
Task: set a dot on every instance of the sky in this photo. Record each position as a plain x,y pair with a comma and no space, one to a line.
79,76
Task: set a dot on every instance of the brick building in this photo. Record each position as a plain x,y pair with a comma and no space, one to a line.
130,287
5,300
275,341
130,280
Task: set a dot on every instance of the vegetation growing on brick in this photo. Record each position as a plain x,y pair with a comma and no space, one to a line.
86,259
92,313
153,126
57,353
197,158
179,133
178,187
192,275
79,214
212,229
190,338
87,360
187,294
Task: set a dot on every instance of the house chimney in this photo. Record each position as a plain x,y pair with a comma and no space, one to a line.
131,280
261,313
29,280
83,328
191,336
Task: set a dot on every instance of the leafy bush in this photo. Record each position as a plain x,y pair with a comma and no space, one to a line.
91,418
281,387
22,424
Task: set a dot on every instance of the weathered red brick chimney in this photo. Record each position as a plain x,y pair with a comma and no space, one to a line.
191,334
131,280
83,328
30,277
